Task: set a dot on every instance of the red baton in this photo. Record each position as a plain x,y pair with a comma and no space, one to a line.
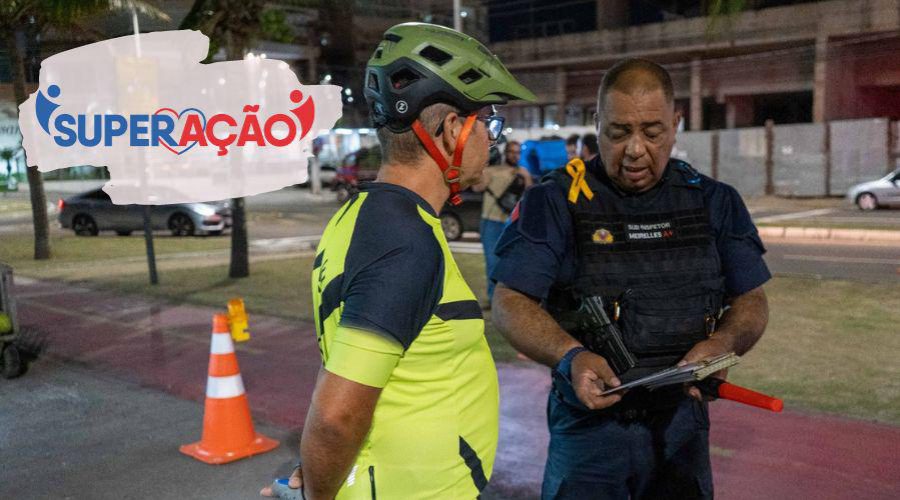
718,388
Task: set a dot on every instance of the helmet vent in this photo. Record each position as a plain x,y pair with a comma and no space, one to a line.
470,76
403,78
372,82
435,55
377,54
391,37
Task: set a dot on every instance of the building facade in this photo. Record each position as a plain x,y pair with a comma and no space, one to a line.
788,61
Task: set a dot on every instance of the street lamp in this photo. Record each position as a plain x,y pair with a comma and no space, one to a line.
148,230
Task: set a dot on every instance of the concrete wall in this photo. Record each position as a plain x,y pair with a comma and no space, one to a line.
770,27
863,79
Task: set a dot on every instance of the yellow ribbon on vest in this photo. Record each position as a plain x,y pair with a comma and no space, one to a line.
576,170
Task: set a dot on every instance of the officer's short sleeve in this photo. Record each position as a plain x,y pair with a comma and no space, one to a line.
740,248
393,274
532,250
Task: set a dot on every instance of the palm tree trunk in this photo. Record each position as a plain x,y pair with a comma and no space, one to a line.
35,182
240,254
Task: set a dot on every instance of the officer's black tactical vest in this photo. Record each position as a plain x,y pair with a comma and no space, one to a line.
652,258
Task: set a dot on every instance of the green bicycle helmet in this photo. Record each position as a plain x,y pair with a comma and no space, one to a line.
418,64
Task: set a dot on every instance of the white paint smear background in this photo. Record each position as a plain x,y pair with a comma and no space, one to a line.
140,74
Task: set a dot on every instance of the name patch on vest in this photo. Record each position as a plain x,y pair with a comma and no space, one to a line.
644,232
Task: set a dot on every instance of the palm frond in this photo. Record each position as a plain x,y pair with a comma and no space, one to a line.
62,11
144,8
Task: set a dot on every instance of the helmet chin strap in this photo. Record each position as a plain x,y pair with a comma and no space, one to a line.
451,172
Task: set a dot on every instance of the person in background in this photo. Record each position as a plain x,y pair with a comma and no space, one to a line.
572,146
503,186
589,147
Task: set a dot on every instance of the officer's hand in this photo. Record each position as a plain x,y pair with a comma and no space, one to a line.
591,375
708,348
294,482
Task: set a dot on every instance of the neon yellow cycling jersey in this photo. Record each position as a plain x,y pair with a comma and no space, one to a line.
384,266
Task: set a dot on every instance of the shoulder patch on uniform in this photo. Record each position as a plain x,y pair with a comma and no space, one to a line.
688,173
514,216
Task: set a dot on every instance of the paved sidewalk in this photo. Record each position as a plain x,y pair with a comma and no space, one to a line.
69,432
153,347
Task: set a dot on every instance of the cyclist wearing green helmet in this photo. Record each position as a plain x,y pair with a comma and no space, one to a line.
407,403
417,65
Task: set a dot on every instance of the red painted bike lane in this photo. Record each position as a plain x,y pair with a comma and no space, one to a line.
165,346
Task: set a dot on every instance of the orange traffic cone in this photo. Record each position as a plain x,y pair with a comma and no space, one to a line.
228,433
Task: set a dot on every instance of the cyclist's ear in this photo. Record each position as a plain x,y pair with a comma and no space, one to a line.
452,127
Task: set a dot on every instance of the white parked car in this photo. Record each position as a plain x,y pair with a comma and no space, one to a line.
884,192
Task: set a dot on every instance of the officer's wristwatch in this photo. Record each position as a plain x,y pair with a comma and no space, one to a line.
564,366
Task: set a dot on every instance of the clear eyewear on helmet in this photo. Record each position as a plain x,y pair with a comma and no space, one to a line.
492,122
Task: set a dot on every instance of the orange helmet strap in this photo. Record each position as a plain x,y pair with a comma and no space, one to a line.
451,172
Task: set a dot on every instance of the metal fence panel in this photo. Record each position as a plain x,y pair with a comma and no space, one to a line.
859,152
742,160
799,160
696,149
895,141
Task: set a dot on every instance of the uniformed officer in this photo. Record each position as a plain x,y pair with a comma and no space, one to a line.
666,248
406,405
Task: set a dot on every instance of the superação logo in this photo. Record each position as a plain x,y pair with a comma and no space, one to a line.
161,128
171,128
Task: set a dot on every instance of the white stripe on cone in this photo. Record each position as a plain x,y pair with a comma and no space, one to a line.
224,387
221,344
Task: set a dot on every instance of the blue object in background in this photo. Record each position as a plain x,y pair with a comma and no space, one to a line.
540,157
281,490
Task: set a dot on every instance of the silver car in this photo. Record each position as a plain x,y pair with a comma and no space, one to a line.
466,216
884,192
89,213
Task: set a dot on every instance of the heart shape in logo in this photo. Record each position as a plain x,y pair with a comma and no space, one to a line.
178,116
